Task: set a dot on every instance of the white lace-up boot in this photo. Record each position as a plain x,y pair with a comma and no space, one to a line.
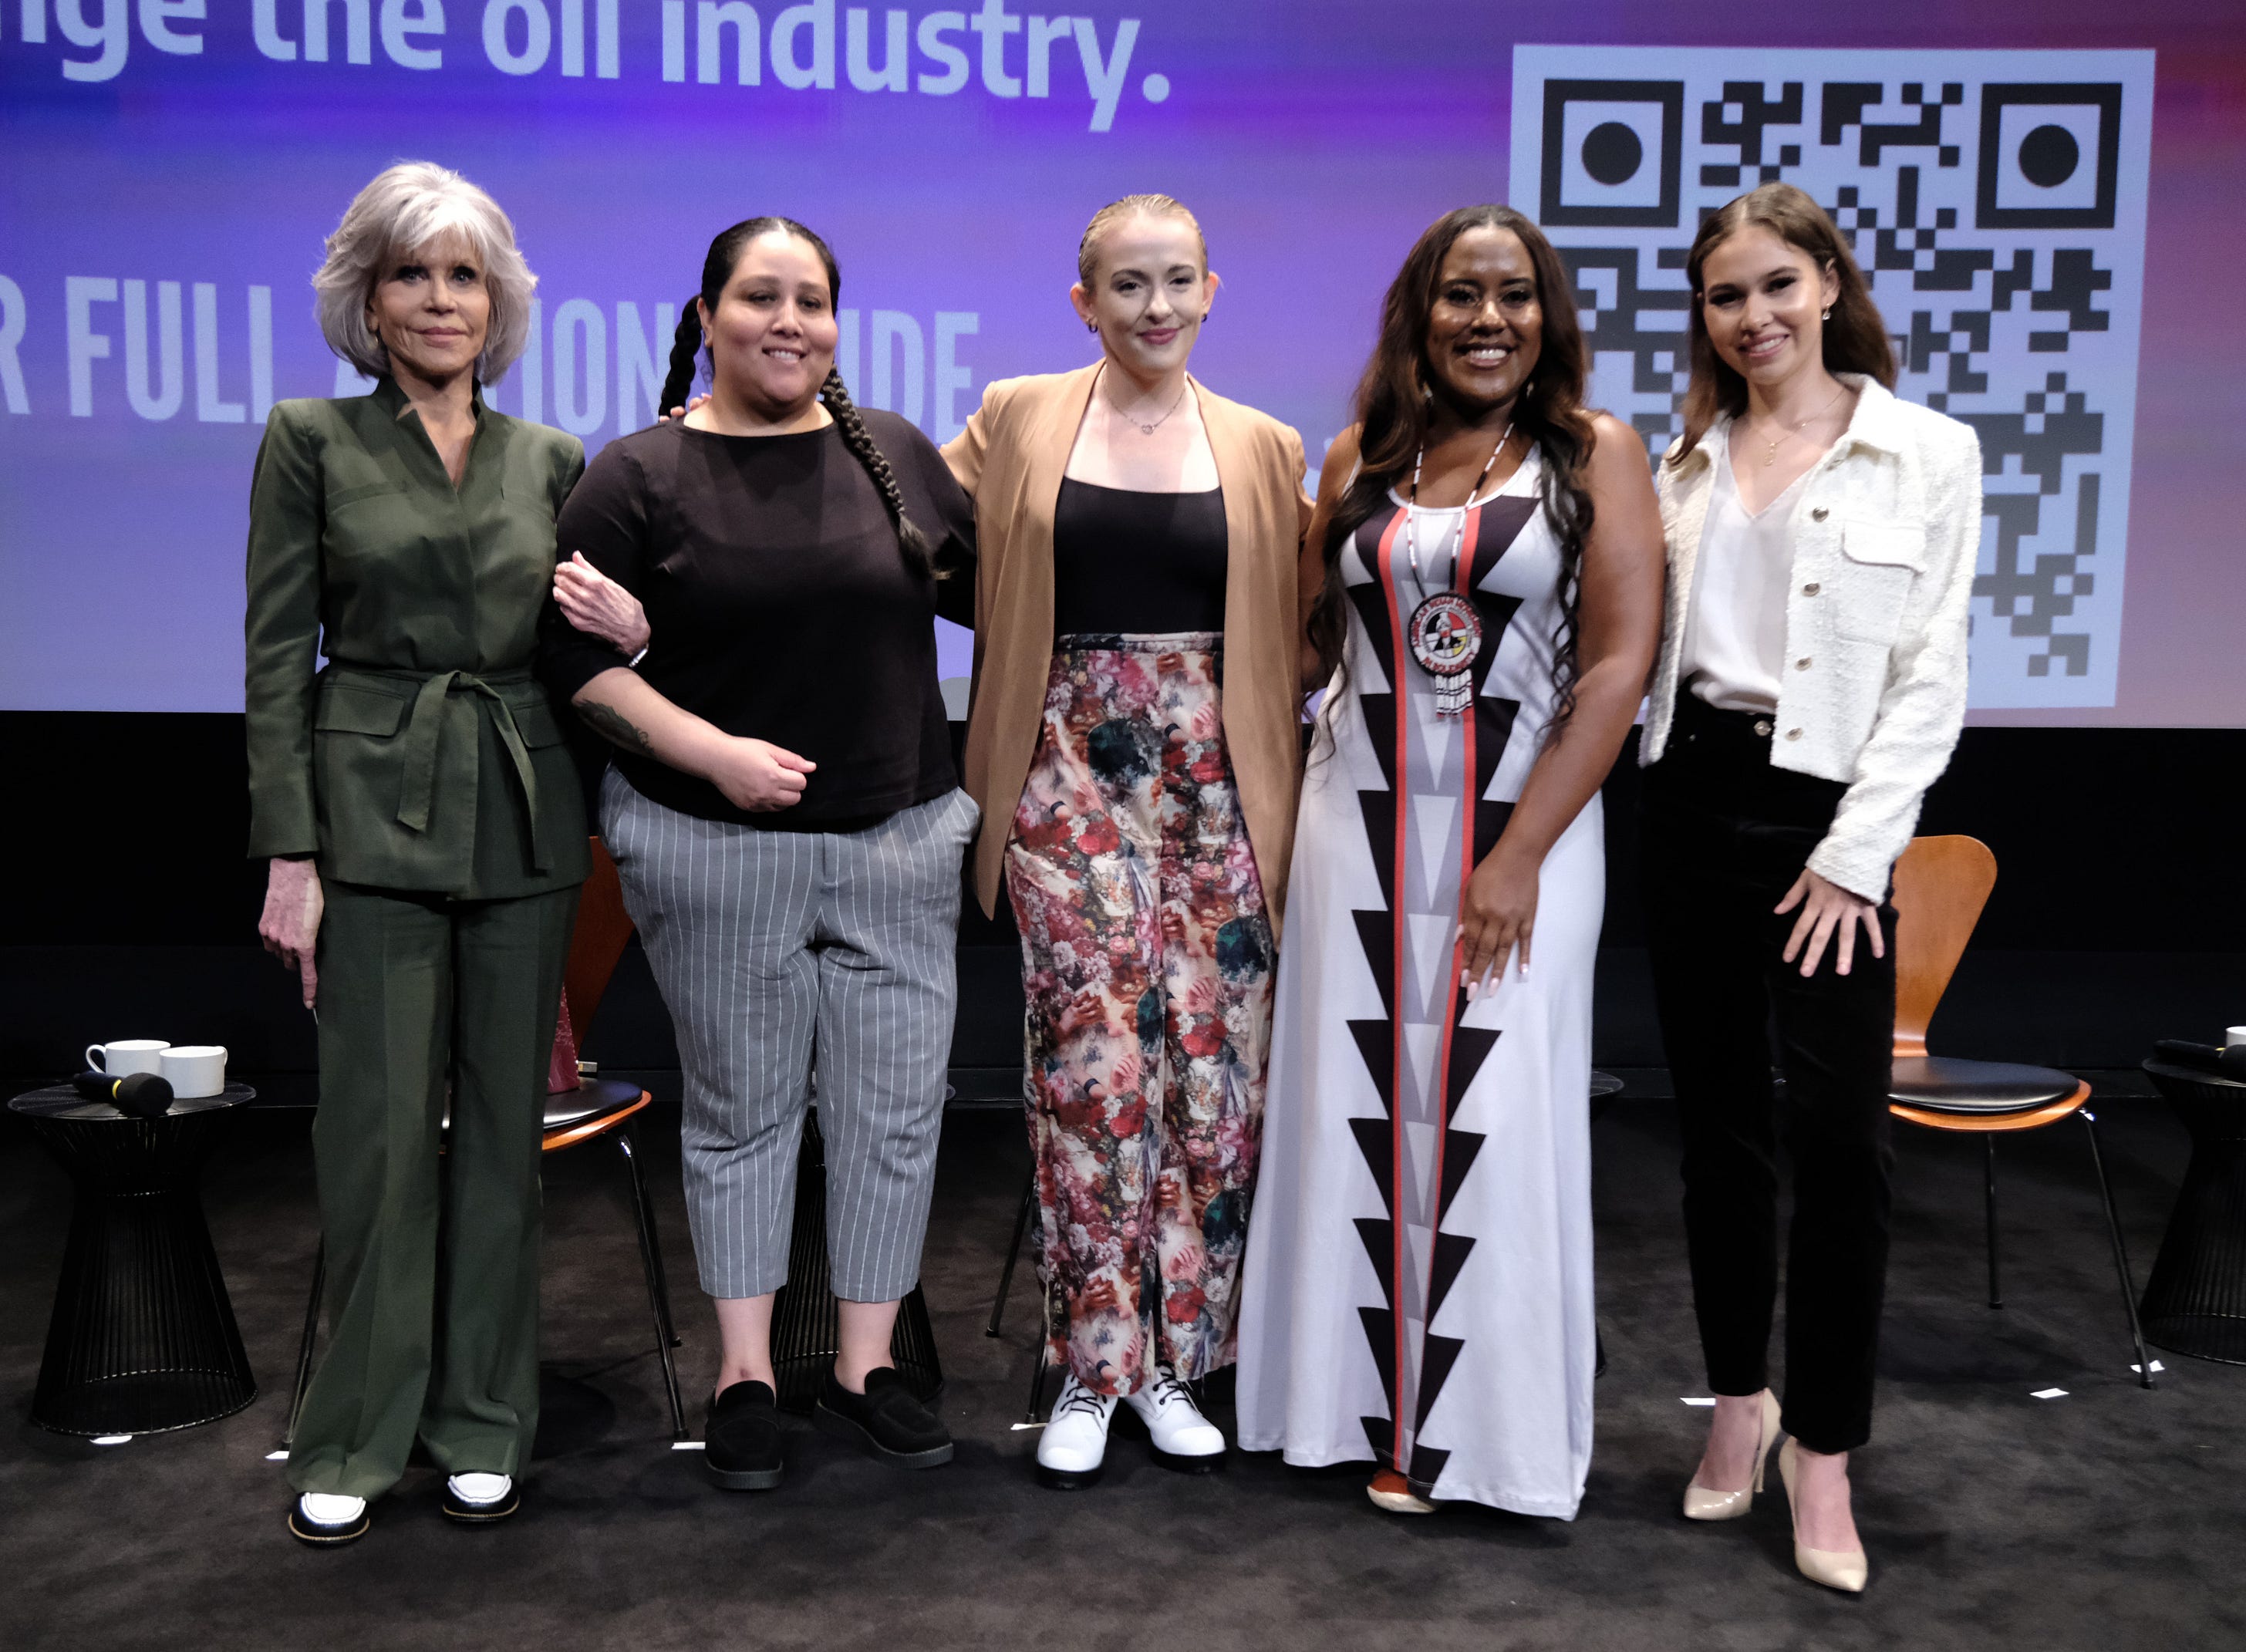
1074,1445
1183,1438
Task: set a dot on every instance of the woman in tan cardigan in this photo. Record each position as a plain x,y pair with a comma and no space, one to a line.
1133,742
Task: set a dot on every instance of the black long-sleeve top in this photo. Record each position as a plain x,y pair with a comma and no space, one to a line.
781,607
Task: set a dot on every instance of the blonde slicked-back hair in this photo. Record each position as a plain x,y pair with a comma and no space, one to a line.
1087,250
406,207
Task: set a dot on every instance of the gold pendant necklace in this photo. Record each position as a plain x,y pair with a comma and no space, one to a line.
1771,455
1148,430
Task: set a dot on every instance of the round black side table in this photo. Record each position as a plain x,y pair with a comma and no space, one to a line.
143,1337
2196,1301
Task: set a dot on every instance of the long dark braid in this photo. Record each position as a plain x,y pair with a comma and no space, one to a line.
686,359
1393,413
724,257
866,452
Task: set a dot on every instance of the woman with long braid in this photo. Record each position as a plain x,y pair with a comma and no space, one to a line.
784,810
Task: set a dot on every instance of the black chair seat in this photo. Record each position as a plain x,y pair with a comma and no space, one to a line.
1940,1085
593,1099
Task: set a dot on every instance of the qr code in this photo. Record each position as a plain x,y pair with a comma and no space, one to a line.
1995,200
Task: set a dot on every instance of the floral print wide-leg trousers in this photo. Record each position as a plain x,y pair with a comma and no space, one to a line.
1146,960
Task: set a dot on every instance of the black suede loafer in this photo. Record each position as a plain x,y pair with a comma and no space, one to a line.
886,1419
740,1440
323,1534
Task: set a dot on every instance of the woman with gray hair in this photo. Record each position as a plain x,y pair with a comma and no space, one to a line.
426,839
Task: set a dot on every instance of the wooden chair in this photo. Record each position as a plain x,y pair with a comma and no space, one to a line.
598,1107
1941,885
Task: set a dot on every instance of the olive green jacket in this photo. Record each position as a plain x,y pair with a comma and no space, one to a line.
424,756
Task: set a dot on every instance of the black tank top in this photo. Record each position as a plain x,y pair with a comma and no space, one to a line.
1131,561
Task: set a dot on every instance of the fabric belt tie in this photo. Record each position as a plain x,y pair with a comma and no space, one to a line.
424,733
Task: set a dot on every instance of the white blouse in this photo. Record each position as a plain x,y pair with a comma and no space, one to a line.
1885,534
1735,636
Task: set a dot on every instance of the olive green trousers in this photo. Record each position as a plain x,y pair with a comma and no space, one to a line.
432,1262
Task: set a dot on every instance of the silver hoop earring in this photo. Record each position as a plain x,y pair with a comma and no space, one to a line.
1827,315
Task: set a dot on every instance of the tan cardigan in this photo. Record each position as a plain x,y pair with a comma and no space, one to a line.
1011,459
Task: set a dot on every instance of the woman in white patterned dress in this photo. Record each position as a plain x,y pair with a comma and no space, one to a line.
1487,573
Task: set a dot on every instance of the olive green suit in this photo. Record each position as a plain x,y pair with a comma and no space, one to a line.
425,770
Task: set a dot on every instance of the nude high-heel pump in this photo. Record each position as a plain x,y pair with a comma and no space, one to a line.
1843,1569
1701,1504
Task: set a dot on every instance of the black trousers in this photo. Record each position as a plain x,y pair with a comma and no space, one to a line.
1724,836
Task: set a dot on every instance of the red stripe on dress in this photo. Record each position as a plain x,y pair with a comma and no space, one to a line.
1462,582
1400,690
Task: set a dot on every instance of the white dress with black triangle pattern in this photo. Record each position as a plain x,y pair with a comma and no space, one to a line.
1418,1284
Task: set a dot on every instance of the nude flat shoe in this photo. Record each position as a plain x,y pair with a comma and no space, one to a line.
1845,1570
1392,1491
1701,1504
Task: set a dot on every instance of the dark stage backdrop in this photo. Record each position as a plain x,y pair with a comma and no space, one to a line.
2114,921
2050,194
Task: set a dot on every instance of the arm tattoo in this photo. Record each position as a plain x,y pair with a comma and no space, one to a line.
612,724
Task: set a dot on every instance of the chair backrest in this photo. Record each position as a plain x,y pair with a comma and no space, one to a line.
1941,884
603,927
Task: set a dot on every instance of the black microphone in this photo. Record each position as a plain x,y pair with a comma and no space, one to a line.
144,1095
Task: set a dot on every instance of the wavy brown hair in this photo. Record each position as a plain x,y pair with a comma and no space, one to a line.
1394,411
1856,339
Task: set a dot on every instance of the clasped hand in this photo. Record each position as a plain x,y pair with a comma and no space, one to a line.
759,776
595,604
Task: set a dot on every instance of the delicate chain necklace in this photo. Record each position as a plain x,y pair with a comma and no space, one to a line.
1796,430
1148,430
1444,630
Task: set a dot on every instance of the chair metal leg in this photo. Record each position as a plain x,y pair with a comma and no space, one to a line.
2121,1252
1013,1253
1037,1385
305,1345
658,1291
1989,1190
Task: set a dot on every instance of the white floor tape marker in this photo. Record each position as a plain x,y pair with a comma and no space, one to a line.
2048,1393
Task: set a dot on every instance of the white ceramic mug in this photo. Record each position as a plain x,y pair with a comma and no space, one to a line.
195,1070
122,1057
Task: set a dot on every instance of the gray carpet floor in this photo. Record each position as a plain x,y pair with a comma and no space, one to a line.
2111,1517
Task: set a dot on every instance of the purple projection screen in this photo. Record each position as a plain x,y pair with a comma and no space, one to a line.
2052,202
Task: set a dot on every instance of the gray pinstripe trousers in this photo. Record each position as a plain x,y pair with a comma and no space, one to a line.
775,950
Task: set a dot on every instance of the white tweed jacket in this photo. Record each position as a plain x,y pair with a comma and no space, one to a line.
1886,535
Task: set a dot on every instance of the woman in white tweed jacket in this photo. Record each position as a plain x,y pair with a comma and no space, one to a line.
1823,537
